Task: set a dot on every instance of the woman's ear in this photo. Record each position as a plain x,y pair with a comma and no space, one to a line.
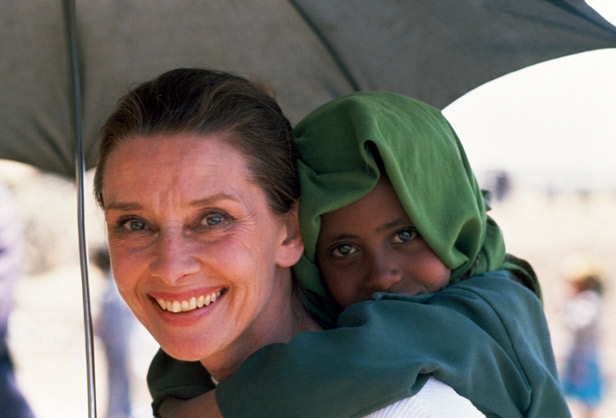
291,244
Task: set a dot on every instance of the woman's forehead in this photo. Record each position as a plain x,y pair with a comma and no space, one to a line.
179,164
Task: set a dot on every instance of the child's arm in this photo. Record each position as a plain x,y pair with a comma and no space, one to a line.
203,406
474,336
174,380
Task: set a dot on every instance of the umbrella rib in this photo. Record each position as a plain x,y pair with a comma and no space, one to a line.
71,26
327,45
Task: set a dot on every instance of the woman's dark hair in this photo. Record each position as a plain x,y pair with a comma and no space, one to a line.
207,102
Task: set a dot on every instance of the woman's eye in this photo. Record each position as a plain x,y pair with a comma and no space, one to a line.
135,225
406,235
343,250
214,219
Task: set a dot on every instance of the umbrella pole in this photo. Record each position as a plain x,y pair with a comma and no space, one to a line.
70,10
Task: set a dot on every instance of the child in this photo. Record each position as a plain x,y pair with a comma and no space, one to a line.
484,334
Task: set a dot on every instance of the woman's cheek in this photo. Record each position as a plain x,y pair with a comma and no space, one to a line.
126,264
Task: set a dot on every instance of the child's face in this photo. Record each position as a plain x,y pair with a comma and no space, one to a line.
372,246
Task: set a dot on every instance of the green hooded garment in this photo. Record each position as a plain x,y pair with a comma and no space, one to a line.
342,144
485,334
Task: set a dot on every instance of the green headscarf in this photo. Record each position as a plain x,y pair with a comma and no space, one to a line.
343,143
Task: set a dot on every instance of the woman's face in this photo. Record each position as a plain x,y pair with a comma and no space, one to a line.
372,246
196,252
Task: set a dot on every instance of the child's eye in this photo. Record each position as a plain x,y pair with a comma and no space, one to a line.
405,235
343,250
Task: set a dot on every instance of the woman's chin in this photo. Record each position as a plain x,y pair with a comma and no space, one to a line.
184,350
186,336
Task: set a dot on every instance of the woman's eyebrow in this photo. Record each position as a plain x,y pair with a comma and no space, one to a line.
126,207
132,206
213,199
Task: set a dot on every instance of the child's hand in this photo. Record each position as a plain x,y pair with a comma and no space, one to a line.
170,408
203,406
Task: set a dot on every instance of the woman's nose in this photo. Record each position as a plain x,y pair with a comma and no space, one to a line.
174,257
383,272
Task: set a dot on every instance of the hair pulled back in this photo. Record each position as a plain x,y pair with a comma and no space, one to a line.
208,102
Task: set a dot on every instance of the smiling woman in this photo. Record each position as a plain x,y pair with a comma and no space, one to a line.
201,237
198,254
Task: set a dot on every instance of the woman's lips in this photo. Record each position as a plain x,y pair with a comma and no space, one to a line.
187,305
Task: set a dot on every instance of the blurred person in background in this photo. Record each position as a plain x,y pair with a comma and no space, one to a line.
582,378
114,326
12,402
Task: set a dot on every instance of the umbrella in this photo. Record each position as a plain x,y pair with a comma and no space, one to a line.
309,50
64,64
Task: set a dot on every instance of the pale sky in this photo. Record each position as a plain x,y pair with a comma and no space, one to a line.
552,124
607,8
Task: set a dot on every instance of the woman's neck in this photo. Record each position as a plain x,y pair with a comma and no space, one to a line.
279,323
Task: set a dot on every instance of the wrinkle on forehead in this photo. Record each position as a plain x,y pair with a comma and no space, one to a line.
177,170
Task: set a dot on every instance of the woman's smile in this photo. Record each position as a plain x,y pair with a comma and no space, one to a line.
187,305
188,312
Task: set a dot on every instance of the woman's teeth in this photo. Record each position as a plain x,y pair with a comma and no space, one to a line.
190,304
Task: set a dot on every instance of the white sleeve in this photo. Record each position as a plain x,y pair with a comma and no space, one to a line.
434,400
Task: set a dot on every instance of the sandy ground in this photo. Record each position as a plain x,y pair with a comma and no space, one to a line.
46,336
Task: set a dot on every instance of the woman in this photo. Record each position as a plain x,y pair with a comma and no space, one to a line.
202,224
486,335
201,249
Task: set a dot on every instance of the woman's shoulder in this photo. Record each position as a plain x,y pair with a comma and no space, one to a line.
434,400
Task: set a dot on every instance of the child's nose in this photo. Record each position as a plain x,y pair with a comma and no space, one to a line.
383,273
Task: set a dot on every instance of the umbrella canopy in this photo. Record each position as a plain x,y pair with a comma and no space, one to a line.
309,51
